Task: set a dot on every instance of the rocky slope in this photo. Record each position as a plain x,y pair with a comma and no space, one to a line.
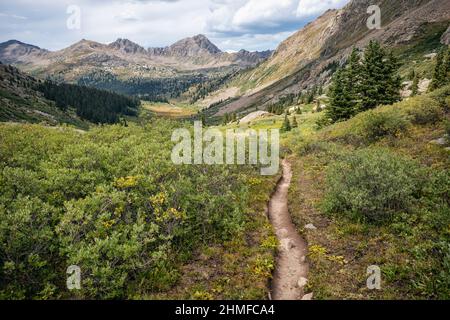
14,51
308,56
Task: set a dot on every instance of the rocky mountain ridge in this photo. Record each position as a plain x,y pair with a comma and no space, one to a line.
187,55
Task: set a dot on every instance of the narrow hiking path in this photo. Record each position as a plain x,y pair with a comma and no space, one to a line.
291,270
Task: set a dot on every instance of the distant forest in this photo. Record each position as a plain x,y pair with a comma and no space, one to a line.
91,104
155,90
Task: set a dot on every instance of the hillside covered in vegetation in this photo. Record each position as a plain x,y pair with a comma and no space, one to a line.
24,98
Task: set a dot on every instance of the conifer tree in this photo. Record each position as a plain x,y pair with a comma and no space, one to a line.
393,79
353,81
340,100
203,119
286,124
441,74
415,85
294,123
225,119
380,83
412,75
320,90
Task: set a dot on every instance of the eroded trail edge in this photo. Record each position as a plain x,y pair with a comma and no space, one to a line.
291,271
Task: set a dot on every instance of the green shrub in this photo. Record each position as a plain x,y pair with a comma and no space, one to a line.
447,128
423,110
372,185
28,249
380,123
442,96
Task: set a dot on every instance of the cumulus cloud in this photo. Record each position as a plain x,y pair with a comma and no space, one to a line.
238,17
308,8
231,24
270,13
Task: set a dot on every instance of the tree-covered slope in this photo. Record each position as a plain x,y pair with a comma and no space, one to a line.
26,99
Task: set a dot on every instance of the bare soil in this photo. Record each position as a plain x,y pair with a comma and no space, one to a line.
291,272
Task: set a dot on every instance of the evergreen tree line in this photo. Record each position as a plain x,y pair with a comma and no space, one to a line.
441,75
288,125
289,100
364,83
308,96
91,104
229,117
280,106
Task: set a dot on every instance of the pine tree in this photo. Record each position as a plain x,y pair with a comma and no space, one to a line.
340,101
225,119
309,98
446,67
294,123
415,85
412,75
203,119
441,75
320,90
346,90
286,124
438,76
393,79
353,80
380,83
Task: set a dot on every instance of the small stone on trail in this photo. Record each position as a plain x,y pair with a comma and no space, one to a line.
302,282
308,296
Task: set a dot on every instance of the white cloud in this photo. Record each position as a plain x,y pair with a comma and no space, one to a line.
233,24
308,8
265,16
14,16
266,12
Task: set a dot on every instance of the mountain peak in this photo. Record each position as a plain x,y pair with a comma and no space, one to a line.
84,42
13,50
194,46
127,46
200,37
18,43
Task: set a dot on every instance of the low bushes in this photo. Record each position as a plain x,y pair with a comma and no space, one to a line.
423,110
111,202
389,121
380,123
442,96
372,185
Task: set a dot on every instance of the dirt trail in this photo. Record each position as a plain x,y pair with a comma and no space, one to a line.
291,271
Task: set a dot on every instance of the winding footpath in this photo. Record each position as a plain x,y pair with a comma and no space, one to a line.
291,272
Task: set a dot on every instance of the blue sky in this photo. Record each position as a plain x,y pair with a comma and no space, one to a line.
230,24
